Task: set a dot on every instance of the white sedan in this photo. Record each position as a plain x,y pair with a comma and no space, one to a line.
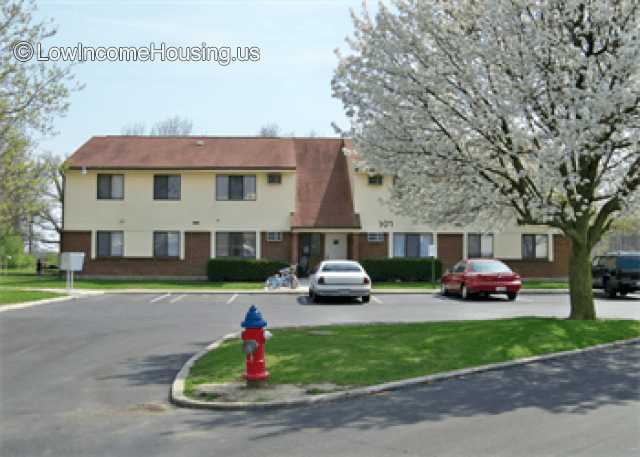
339,278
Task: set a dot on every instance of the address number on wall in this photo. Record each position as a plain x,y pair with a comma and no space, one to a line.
385,224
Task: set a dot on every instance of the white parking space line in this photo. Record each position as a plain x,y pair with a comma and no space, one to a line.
233,297
376,299
160,297
177,298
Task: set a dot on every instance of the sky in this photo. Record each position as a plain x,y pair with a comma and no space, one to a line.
290,84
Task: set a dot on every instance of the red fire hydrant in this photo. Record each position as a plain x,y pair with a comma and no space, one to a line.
254,337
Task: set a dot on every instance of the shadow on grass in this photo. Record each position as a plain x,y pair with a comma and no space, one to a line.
571,385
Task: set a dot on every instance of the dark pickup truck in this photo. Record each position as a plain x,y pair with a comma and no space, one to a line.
617,273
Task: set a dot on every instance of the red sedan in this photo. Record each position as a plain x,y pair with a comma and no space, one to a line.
475,276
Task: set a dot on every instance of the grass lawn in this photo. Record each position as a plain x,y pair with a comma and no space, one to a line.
533,284
11,296
15,280
405,285
360,355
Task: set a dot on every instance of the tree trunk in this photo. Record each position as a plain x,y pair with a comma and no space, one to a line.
580,286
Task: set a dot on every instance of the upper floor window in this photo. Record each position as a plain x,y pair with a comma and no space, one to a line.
274,178
166,244
535,246
166,187
235,187
479,245
110,244
376,180
375,237
412,244
110,187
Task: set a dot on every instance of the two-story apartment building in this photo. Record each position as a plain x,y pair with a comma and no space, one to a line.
162,206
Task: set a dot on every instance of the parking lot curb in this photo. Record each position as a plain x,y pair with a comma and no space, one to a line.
178,397
29,304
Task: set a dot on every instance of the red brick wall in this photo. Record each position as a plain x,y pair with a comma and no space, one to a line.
559,268
367,250
276,250
197,253
450,248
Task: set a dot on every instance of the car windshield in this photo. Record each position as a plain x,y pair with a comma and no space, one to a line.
629,262
341,267
489,267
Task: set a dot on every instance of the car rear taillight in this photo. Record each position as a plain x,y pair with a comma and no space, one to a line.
366,281
320,280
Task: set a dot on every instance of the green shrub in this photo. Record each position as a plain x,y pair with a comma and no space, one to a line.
402,269
12,251
235,269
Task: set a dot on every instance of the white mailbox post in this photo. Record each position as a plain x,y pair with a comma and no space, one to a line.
71,262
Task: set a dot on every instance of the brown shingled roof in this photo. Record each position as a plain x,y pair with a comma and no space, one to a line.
323,188
149,152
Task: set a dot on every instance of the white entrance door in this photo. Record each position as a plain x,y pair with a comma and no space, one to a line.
335,246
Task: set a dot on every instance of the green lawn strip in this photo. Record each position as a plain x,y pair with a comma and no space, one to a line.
12,296
534,284
405,285
54,282
361,355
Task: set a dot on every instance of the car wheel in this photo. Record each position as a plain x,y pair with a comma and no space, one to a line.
366,298
464,292
623,293
512,296
443,289
610,291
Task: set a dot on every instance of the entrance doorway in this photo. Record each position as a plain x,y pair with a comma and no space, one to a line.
310,254
335,246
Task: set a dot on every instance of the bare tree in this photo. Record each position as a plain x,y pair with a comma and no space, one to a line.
272,129
134,128
172,126
48,220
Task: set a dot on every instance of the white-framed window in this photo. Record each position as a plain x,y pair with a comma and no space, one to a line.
110,244
274,178
535,247
274,236
236,244
480,245
236,187
110,187
166,187
166,244
412,244
375,237
376,180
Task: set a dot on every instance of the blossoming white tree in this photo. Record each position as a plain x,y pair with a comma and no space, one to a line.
502,109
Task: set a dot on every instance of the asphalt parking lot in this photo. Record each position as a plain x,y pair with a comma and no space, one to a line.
91,376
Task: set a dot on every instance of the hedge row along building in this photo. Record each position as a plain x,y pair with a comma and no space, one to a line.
162,206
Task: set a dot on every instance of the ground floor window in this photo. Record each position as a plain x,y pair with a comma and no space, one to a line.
274,236
412,244
110,244
166,244
535,246
236,244
479,245
375,237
